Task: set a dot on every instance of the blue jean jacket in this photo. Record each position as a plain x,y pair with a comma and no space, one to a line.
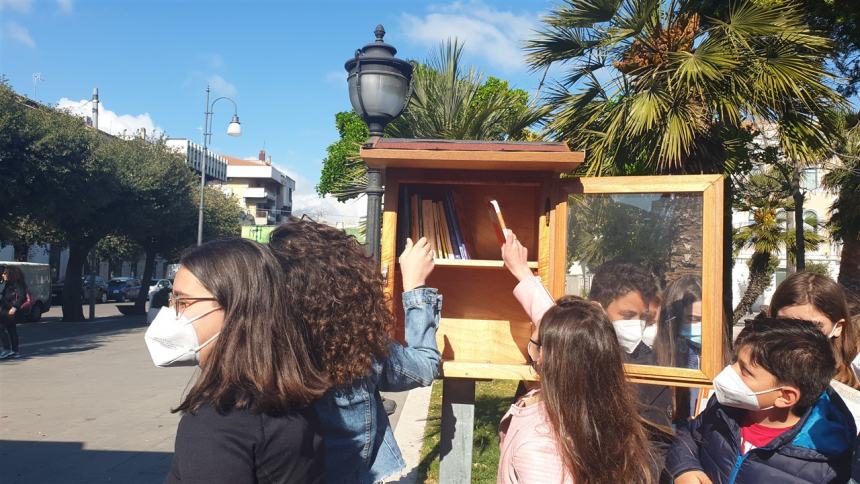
359,443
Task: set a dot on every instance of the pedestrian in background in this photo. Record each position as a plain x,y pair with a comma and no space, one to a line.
11,300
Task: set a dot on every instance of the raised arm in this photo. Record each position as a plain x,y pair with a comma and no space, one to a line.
530,292
417,363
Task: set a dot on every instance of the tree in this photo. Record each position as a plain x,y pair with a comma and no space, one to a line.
658,84
447,103
767,234
844,225
839,20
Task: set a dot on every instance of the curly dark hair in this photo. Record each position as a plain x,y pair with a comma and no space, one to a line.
334,288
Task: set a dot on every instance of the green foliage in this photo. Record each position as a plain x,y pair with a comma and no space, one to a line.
77,186
492,399
819,268
342,167
666,85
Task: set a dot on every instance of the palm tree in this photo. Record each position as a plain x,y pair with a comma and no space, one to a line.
767,233
665,86
844,222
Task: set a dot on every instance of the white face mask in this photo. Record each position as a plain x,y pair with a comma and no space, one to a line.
733,392
173,341
649,334
855,365
629,333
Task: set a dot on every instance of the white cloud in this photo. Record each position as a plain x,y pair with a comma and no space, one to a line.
111,122
22,6
306,201
495,35
220,87
66,6
20,34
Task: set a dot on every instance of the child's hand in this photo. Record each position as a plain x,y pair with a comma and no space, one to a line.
516,257
416,263
693,477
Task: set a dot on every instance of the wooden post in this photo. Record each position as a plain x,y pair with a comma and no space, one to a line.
458,425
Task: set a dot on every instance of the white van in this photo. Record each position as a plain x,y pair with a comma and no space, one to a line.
38,279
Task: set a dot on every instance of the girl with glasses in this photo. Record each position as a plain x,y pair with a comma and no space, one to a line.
247,418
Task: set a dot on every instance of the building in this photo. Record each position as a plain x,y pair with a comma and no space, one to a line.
264,191
216,165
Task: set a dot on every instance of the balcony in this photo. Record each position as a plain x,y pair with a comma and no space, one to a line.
257,193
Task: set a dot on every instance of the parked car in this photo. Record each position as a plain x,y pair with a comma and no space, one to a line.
158,284
123,288
101,289
38,279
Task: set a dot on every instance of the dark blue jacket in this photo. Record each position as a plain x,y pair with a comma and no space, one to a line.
816,450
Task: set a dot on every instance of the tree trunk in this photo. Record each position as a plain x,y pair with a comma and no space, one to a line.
148,269
790,267
72,288
760,274
22,252
849,265
799,240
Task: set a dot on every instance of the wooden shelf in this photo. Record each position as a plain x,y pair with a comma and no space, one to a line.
490,371
476,263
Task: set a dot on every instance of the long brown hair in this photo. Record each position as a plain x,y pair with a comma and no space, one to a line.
826,296
333,287
260,360
678,299
591,407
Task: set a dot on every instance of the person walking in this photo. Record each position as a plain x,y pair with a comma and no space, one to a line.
11,300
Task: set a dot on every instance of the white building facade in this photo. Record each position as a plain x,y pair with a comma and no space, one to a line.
263,191
216,165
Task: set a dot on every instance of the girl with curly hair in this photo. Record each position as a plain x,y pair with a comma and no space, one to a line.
335,289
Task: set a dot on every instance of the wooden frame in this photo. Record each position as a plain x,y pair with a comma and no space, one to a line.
711,188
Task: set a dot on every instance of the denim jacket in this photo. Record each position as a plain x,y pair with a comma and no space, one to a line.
359,443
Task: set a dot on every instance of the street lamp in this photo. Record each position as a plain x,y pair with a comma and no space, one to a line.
233,129
379,89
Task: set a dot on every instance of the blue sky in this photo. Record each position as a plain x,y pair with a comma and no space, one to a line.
281,61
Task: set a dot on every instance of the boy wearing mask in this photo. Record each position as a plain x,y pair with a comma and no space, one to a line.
773,418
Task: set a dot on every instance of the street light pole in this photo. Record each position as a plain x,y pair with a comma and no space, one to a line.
92,284
380,86
233,129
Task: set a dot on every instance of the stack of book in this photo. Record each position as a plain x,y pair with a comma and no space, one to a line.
433,216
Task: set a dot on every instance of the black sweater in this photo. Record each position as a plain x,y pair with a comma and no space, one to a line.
241,447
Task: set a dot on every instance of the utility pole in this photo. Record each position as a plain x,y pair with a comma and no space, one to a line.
92,283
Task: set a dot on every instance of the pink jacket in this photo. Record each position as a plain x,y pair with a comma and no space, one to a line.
534,298
527,449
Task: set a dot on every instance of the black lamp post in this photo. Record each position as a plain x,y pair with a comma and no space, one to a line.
379,89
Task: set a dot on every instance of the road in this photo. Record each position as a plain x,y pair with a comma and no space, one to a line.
84,404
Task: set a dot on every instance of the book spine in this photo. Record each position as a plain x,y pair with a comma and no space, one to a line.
415,230
449,224
446,231
427,219
464,253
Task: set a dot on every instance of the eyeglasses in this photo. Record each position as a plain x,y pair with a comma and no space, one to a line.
180,304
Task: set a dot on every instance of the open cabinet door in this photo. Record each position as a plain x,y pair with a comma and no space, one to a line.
649,249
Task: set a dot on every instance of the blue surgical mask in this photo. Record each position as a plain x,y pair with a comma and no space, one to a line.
692,332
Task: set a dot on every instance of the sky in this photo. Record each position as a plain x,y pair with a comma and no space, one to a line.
281,61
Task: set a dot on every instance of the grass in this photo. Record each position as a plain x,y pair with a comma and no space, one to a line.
492,400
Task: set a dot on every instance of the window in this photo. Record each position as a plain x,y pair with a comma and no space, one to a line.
810,221
810,179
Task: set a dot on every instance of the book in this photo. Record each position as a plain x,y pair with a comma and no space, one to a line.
458,233
497,220
426,215
446,231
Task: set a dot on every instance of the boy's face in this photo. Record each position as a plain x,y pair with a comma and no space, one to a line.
758,379
628,306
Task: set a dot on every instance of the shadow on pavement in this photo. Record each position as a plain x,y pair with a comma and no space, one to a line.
54,338
25,462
